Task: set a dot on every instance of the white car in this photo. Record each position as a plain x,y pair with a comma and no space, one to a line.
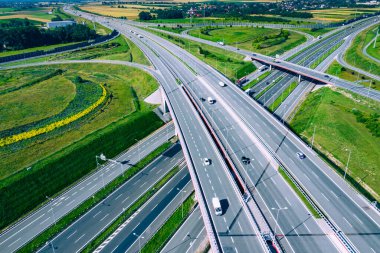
222,84
206,161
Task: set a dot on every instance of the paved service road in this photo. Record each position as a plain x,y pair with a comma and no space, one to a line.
158,209
88,226
189,237
25,230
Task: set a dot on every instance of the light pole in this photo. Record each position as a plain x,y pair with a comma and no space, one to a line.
52,211
278,212
104,158
178,189
348,160
139,237
101,157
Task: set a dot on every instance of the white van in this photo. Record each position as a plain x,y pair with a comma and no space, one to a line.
217,206
222,84
210,100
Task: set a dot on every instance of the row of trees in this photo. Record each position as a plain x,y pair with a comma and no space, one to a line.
30,36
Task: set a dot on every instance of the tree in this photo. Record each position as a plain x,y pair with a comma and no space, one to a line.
144,15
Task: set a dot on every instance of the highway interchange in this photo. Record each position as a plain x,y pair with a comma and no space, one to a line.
245,128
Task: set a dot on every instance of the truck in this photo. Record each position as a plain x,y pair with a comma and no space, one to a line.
263,67
217,206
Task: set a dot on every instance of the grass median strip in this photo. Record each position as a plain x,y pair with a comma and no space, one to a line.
299,193
256,81
89,203
273,107
127,213
163,235
268,87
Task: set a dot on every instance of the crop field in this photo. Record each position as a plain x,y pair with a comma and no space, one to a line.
355,56
38,14
271,41
129,11
340,14
344,122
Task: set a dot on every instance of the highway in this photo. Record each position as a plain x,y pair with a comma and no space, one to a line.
26,229
189,236
212,179
150,217
88,226
283,145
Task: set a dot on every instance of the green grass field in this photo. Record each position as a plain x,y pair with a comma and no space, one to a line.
355,56
119,48
71,150
350,75
332,113
315,33
170,29
374,48
228,63
243,37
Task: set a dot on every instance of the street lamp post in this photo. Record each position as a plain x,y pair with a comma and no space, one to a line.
139,237
278,212
178,189
348,161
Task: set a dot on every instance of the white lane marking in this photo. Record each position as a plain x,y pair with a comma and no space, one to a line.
79,238
158,171
358,218
241,229
72,201
325,196
92,187
14,242
307,228
105,216
74,193
42,222
125,199
288,201
97,214
73,233
347,222
118,196
295,231
81,188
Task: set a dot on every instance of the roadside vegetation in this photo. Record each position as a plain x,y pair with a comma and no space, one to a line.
257,39
314,31
229,63
69,149
163,235
256,81
355,56
119,48
75,214
350,75
273,107
344,122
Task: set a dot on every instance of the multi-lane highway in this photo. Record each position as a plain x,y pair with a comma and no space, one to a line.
80,233
26,229
283,145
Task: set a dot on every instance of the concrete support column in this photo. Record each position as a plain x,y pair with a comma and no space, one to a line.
270,67
299,78
164,105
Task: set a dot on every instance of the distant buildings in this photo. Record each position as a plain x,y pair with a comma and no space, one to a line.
55,24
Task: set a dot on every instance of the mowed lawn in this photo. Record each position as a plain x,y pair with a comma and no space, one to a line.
125,83
243,37
340,14
355,56
338,70
338,131
29,104
374,48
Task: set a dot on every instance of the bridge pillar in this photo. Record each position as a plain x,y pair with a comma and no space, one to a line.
164,105
299,78
270,67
